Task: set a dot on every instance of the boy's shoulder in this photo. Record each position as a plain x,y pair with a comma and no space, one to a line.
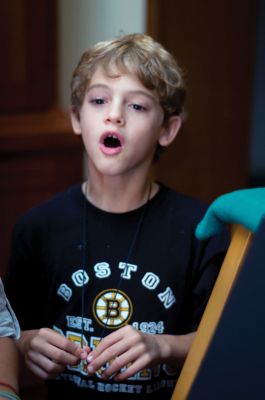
55,207
182,203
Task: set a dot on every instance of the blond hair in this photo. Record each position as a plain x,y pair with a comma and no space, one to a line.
135,53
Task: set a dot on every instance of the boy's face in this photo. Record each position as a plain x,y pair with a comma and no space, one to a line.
121,124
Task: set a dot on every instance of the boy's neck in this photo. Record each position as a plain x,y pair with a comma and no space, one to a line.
119,198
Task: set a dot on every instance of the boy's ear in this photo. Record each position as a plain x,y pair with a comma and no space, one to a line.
75,120
169,131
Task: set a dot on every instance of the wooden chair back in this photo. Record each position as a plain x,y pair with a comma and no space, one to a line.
236,253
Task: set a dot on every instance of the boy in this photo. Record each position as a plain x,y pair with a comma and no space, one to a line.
119,282
9,330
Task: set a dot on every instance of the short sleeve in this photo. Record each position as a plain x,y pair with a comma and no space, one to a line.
209,259
9,325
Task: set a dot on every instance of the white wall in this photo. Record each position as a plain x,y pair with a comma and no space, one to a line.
85,22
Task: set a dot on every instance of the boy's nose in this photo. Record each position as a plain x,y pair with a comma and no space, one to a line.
115,115
115,119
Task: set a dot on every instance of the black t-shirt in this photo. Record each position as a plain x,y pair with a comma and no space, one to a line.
85,272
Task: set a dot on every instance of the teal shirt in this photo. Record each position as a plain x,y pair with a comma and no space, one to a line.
245,207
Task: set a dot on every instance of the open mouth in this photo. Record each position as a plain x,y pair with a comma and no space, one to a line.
112,141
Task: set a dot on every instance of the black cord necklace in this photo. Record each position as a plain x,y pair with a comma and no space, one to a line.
85,248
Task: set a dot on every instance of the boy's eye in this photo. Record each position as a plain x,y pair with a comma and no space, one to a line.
98,101
137,107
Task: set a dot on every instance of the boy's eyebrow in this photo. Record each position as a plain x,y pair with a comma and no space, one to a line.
138,91
97,85
142,92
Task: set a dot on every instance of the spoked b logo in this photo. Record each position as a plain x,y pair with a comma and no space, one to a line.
112,308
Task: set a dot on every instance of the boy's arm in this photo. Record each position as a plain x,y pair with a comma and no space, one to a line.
128,346
9,364
46,352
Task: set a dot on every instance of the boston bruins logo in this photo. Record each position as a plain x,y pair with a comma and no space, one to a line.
112,308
